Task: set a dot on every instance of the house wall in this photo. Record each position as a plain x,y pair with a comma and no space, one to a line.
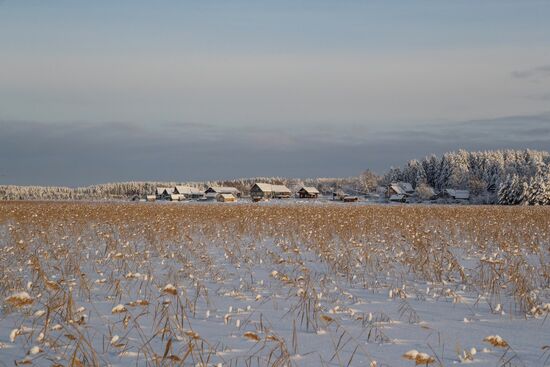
257,193
281,195
304,195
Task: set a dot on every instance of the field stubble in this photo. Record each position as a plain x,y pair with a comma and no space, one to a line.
93,284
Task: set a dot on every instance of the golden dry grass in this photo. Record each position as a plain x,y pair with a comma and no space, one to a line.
507,249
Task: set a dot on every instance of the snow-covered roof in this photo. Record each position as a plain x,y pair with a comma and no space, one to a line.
162,190
265,187
458,194
397,189
310,190
223,189
402,188
280,188
406,186
187,190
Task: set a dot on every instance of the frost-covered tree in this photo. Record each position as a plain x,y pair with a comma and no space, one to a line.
431,169
512,191
368,181
483,173
538,190
424,191
393,175
414,173
445,172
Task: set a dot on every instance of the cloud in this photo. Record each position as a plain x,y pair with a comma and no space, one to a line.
87,153
540,97
535,73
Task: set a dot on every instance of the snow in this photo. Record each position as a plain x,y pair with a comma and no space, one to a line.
242,298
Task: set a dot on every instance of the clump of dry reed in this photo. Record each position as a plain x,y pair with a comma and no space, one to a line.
72,252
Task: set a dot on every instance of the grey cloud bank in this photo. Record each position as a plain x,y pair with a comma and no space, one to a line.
33,153
538,72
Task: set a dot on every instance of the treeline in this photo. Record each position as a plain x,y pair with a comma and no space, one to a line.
128,190
502,176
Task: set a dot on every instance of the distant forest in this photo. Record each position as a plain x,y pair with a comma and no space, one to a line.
506,177
493,177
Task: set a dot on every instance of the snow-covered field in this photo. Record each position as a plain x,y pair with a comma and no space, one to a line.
86,284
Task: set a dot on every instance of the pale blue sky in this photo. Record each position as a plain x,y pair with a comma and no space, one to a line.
347,70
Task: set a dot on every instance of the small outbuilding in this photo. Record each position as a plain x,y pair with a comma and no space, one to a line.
226,198
150,198
263,191
176,197
308,192
350,199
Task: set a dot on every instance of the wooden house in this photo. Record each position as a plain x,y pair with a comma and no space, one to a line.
263,191
342,196
163,193
226,198
308,192
215,190
188,192
399,188
461,195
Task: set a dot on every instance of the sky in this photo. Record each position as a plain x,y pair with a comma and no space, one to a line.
104,91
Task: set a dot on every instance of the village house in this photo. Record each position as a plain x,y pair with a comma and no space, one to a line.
308,192
262,191
215,190
342,196
226,198
188,192
150,197
454,194
399,188
163,193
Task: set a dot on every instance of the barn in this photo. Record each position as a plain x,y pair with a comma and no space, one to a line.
308,192
262,191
